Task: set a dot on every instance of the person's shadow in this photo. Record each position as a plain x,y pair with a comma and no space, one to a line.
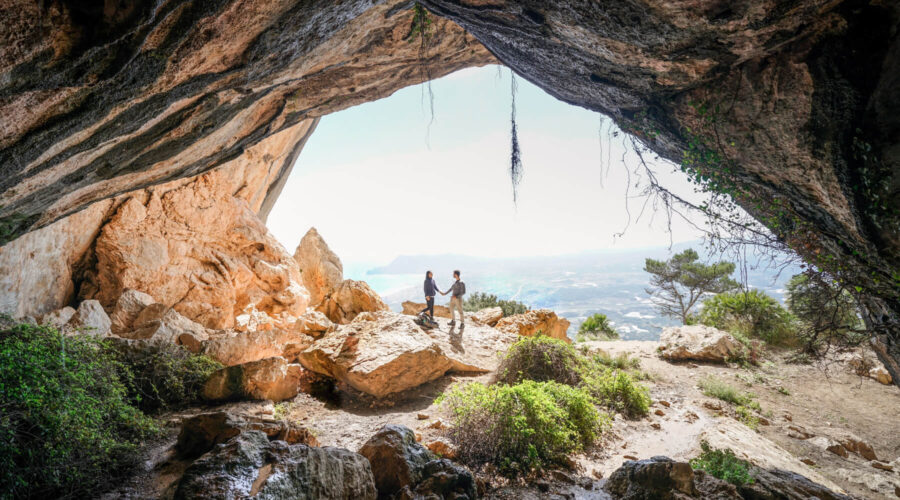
456,339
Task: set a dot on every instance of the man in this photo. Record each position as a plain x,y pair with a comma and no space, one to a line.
430,289
458,289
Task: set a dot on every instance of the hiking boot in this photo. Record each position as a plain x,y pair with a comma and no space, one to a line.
451,323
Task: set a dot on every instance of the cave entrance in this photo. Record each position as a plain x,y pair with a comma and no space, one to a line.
420,180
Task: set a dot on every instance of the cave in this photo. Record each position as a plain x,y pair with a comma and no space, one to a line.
119,118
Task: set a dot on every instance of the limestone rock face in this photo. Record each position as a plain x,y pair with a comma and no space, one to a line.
313,323
200,250
320,268
59,317
90,318
489,316
160,323
530,323
129,305
349,299
698,343
272,378
250,466
385,352
411,308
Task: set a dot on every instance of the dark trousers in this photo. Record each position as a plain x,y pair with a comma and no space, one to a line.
429,306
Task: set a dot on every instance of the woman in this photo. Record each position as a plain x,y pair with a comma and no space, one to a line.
430,290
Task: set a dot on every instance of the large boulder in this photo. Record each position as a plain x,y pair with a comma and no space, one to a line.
655,478
489,316
235,348
250,466
58,318
403,468
385,352
90,318
698,343
313,323
202,432
411,308
128,306
349,299
272,378
320,268
529,324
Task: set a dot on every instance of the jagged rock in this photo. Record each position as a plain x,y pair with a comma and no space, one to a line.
385,352
161,323
349,299
489,316
397,459
202,432
442,448
250,466
854,444
404,469
411,308
698,343
58,318
271,378
90,318
320,268
532,322
253,320
129,305
655,478
234,348
442,479
778,484
313,323
881,375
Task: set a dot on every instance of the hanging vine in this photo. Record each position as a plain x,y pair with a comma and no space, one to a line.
515,157
422,28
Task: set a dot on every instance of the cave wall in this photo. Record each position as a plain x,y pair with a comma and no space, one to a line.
790,104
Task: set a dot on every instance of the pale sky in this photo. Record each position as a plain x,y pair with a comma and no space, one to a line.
377,184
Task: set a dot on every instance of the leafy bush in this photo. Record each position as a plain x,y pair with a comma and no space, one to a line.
478,301
752,314
164,376
722,464
541,359
596,327
827,312
546,359
621,361
66,428
520,427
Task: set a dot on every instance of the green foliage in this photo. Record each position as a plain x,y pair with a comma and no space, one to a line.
596,327
751,314
165,376
421,26
621,361
679,283
521,427
547,359
722,464
826,312
745,416
478,301
66,428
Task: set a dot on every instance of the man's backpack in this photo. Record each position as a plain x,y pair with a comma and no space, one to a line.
462,288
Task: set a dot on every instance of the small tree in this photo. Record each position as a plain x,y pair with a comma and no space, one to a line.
478,301
681,281
826,310
597,327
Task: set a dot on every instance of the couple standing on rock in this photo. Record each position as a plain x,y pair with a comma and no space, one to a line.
457,290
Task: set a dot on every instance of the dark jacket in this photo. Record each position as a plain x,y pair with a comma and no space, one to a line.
431,288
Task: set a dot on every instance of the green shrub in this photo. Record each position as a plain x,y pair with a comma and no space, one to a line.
752,314
521,427
722,464
596,327
164,376
541,359
618,391
827,313
621,361
478,301
545,359
66,428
